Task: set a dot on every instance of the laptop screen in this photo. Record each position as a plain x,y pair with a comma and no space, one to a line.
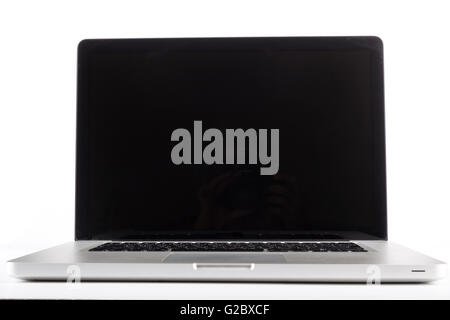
230,138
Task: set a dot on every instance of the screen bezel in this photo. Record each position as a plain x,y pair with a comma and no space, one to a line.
371,43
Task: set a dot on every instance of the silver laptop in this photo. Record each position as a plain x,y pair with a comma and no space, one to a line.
231,159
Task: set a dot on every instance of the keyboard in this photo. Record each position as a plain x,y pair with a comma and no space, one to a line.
231,246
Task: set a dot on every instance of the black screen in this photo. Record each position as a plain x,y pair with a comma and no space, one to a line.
139,99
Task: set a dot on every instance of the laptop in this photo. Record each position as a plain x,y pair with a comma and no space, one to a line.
230,159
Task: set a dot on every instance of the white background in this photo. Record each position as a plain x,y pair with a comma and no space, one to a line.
38,42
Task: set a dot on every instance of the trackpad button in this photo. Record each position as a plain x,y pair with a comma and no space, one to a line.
212,257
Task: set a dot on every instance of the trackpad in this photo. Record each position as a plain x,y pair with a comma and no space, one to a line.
212,257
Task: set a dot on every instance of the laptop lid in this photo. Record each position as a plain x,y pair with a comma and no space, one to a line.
230,138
